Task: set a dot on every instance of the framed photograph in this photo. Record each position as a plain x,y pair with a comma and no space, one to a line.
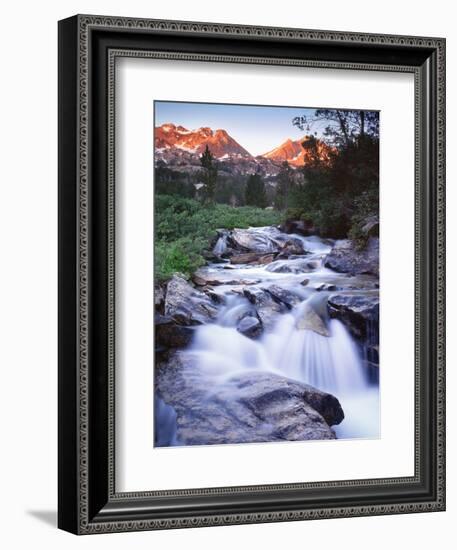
251,274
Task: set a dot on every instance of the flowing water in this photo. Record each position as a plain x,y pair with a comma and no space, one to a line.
326,357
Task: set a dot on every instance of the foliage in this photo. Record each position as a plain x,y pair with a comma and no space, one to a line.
366,205
171,182
341,127
209,174
255,192
185,229
283,186
338,193
230,190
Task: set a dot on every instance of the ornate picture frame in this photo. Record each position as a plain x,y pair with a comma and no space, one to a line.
88,48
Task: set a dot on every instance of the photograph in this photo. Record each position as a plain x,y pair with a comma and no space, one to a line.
266,273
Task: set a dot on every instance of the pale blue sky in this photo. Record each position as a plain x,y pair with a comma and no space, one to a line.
256,128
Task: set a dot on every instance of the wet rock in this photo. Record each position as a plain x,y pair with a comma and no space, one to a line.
279,294
310,320
291,251
293,265
250,327
252,258
250,407
218,299
170,335
345,258
324,286
289,245
159,297
359,312
186,305
259,240
267,308
203,277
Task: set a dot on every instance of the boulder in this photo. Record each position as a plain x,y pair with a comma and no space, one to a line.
309,319
290,249
218,299
252,258
359,312
268,309
250,327
293,265
159,298
289,245
279,294
259,240
346,258
204,277
168,334
186,305
250,407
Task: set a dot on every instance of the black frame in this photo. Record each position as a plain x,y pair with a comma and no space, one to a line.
88,46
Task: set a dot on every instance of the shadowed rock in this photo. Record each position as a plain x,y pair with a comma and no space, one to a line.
267,308
204,277
250,326
279,294
345,258
356,311
293,265
251,407
252,258
186,305
171,335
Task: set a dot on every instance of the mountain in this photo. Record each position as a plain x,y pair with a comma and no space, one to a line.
296,152
181,149
219,142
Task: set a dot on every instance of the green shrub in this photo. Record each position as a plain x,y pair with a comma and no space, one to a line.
184,229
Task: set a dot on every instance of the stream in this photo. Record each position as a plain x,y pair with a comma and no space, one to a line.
299,340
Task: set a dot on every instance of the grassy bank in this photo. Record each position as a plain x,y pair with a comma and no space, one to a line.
184,228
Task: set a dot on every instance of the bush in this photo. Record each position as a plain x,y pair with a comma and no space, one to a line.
338,193
184,229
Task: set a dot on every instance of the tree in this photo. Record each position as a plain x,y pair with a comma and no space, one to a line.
255,194
335,188
170,182
209,174
284,184
342,127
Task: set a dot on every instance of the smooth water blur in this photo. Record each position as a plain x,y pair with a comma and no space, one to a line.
331,363
165,424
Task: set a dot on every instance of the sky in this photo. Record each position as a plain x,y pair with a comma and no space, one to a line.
256,128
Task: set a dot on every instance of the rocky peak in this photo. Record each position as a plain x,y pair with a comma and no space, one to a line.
295,152
220,143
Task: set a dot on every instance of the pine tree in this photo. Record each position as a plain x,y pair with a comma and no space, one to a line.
283,187
255,194
210,174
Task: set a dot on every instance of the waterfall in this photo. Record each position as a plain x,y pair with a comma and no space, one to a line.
303,344
164,424
330,363
221,246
